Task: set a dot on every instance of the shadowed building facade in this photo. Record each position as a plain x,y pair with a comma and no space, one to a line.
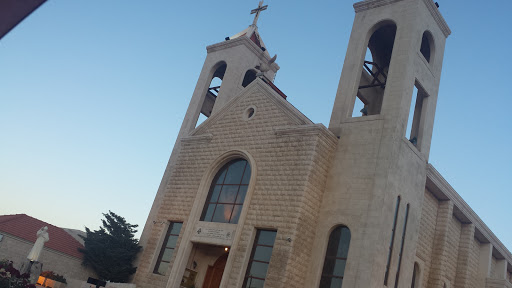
60,254
257,195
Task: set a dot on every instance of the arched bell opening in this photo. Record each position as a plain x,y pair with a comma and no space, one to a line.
212,92
427,46
372,84
249,76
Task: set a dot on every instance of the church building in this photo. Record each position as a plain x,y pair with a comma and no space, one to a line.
258,195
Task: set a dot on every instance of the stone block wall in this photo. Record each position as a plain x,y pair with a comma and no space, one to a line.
453,249
426,233
475,255
466,264
449,251
16,249
494,273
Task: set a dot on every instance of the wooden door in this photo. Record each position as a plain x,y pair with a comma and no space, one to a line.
214,273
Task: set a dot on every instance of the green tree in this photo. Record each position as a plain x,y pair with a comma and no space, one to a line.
111,250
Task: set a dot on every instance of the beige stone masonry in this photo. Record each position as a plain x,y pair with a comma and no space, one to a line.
501,269
484,263
440,255
12,248
495,283
370,4
464,261
247,43
291,157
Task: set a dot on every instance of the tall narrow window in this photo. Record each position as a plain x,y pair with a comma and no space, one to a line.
402,246
260,258
393,230
171,237
227,193
414,132
335,258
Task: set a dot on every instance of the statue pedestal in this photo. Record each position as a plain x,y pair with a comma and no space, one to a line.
34,268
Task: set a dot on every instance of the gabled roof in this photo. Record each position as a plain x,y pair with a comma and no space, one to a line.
26,227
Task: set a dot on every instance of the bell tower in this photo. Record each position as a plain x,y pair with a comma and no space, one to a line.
383,115
395,48
229,67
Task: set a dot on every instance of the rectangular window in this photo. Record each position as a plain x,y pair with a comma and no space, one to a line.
260,257
414,131
171,238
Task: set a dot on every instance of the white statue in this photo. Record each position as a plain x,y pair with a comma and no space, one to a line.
42,237
264,67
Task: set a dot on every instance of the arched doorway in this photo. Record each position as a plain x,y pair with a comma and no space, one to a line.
214,273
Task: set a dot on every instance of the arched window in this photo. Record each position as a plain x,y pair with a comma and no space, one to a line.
250,76
227,193
335,258
426,45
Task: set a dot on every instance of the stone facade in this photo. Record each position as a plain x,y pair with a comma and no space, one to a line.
290,163
361,173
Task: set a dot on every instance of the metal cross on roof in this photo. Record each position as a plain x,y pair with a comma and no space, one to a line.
257,12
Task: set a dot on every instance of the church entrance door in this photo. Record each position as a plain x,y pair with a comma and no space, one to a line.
214,273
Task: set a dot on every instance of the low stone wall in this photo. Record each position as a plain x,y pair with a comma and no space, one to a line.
72,283
120,285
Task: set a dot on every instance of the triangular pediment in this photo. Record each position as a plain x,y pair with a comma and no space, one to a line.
257,95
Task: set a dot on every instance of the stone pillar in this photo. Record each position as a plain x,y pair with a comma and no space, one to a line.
484,264
440,251
501,269
462,276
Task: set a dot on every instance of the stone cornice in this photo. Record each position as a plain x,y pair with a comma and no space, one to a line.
248,43
205,138
431,6
434,11
444,187
370,4
309,129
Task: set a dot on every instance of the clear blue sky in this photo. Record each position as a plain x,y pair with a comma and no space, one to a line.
93,93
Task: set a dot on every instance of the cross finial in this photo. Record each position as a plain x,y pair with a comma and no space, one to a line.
257,12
